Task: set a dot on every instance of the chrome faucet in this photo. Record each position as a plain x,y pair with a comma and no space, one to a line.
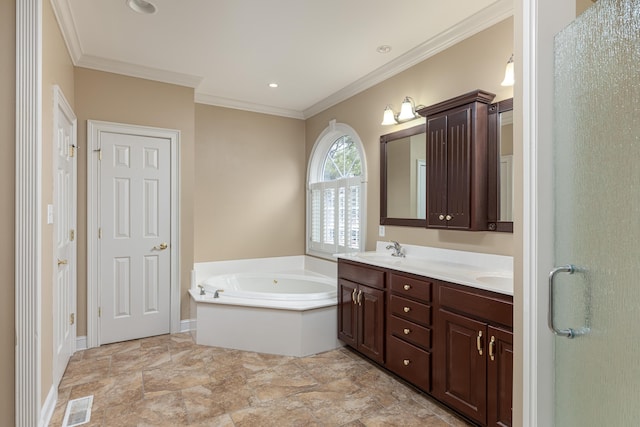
202,291
397,249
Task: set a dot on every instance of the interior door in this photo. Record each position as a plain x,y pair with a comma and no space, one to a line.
597,217
135,218
64,229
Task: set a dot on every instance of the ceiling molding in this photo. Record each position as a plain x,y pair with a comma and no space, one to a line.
219,101
62,12
140,71
498,11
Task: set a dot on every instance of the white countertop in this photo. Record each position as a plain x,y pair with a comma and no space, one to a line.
482,271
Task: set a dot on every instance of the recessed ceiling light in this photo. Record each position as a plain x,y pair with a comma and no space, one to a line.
385,48
274,85
141,6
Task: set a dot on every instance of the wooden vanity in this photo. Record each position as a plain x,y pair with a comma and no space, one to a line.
454,342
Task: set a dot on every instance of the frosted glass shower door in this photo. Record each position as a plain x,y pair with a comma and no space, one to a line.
597,216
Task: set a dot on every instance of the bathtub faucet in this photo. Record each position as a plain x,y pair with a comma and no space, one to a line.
397,249
202,292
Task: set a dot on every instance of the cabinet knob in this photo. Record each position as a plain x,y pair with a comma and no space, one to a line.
406,331
441,217
407,309
448,217
407,287
406,362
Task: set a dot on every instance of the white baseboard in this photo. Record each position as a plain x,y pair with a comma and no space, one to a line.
187,325
49,406
81,343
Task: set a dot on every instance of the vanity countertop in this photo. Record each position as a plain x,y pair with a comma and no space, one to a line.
481,271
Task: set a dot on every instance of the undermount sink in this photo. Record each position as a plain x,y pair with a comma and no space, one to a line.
501,281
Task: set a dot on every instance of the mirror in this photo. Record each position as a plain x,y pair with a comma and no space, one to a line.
500,163
403,177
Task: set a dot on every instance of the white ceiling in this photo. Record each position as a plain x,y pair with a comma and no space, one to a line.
320,52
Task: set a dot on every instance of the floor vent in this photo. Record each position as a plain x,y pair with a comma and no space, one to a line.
78,412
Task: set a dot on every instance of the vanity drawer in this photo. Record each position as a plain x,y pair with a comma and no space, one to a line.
490,306
410,310
410,287
410,332
365,275
409,362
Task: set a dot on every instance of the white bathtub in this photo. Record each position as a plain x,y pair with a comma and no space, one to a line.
273,286
292,312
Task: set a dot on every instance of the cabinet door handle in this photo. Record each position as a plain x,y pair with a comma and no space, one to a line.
406,331
407,287
406,362
406,309
353,295
448,217
441,217
360,297
479,342
492,348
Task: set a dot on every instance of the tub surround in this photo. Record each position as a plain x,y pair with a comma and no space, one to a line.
283,327
482,271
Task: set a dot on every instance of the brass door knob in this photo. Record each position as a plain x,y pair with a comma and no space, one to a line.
407,309
62,262
161,247
441,217
406,331
448,217
407,287
406,362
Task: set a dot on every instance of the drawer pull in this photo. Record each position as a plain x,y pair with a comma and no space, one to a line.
406,362
406,309
479,342
406,331
353,295
360,297
407,287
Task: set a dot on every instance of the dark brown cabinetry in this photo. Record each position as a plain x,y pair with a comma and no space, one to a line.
473,353
409,328
361,299
457,170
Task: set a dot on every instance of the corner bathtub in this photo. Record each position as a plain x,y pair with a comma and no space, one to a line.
291,314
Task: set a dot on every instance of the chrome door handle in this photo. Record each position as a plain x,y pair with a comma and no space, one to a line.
568,333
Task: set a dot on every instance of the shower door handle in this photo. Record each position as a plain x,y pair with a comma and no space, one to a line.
568,333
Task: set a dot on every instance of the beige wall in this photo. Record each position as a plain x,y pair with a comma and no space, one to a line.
7,216
57,69
115,98
475,63
250,196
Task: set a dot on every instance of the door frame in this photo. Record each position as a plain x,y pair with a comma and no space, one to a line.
536,23
61,106
94,130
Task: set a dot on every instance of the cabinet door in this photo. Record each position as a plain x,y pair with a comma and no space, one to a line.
347,311
371,322
499,377
461,371
437,172
459,169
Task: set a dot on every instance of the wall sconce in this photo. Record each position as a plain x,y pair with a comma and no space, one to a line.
407,113
508,73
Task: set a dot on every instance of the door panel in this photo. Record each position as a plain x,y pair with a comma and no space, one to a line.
597,221
347,320
135,190
500,378
371,306
459,177
437,171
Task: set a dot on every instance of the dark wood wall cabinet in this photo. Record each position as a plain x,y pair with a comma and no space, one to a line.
457,170
454,342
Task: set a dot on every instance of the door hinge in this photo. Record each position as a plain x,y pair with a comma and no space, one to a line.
99,232
72,235
99,151
72,318
99,311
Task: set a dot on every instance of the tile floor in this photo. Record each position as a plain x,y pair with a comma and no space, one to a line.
170,381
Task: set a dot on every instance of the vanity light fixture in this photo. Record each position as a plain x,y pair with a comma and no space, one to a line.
141,6
407,113
508,73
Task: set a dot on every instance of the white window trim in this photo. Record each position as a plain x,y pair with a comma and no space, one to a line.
321,147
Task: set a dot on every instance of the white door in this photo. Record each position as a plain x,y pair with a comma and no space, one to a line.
135,228
64,232
596,296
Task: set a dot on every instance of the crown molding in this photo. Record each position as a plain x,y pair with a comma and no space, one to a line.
62,12
498,11
140,71
218,101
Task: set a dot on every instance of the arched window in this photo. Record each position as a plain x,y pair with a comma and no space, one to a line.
335,200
